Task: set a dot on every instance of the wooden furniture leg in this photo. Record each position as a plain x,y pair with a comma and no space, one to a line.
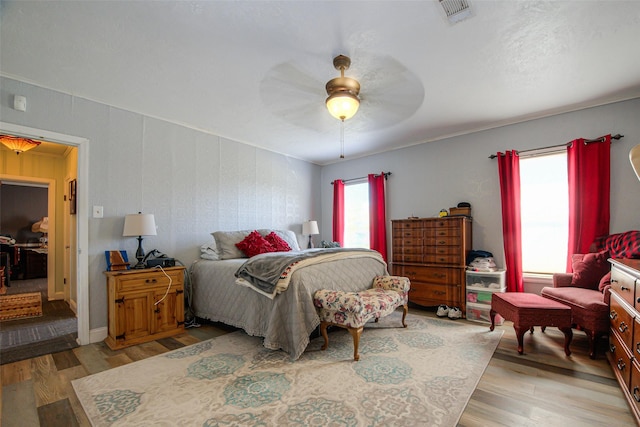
492,315
568,336
405,310
355,333
520,330
323,331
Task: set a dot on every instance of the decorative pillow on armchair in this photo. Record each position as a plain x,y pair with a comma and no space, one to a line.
589,268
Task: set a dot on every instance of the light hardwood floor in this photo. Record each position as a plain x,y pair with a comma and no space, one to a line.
540,388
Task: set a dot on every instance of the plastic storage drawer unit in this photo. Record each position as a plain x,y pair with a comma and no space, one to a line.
481,285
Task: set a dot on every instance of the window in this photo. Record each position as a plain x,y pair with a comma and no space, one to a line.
544,199
356,215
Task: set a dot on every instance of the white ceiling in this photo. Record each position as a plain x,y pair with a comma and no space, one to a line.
255,71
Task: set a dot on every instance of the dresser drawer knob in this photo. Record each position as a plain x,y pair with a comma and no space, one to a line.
623,327
621,365
638,347
613,314
612,348
635,393
439,275
151,281
622,288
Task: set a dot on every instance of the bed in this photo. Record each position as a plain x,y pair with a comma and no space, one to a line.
286,320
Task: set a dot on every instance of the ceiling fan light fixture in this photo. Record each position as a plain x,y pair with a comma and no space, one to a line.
343,101
342,105
18,144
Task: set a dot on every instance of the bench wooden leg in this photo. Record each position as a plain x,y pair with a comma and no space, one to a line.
355,333
405,310
323,331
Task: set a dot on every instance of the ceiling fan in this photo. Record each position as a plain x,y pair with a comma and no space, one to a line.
387,92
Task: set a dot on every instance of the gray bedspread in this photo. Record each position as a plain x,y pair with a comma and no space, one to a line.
264,271
287,320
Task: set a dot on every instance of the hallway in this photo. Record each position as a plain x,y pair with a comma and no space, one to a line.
56,330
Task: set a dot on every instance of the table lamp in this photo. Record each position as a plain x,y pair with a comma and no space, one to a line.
310,228
139,225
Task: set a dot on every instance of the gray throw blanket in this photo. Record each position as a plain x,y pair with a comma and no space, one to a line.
265,270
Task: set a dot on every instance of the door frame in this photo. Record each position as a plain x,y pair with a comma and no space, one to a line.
82,214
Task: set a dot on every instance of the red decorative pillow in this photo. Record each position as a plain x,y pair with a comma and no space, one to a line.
605,281
589,268
254,244
277,242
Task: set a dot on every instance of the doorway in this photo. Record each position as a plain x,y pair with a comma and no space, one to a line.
80,225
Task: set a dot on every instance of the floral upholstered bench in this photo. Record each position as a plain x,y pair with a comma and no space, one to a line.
351,310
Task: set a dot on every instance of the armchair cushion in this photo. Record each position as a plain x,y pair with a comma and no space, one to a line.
588,269
589,308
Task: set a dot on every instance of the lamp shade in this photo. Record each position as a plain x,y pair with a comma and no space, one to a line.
41,226
139,225
18,144
342,105
310,227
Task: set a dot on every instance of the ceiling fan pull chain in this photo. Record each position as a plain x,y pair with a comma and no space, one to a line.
342,139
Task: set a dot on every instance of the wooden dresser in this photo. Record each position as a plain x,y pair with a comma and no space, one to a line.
144,305
432,252
624,337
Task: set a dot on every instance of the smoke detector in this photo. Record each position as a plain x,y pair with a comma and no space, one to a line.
456,10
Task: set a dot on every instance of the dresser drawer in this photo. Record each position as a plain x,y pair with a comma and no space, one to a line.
408,233
442,232
404,225
635,348
621,320
634,384
143,282
442,259
443,241
436,275
408,242
412,258
623,284
621,359
441,250
442,223
429,294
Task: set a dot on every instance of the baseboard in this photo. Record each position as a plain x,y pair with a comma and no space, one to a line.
98,334
73,305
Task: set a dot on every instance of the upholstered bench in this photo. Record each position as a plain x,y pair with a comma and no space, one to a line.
351,310
528,310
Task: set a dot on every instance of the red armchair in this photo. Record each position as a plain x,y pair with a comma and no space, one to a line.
589,307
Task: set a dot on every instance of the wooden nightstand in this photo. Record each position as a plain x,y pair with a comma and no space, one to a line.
144,305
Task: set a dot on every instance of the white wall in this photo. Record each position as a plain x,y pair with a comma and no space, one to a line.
195,183
432,176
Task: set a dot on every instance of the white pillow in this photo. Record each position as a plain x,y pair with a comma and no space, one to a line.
226,243
208,251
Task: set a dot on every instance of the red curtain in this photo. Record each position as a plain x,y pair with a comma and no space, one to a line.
377,217
509,171
588,168
338,211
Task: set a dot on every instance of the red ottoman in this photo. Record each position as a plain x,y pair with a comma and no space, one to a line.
529,310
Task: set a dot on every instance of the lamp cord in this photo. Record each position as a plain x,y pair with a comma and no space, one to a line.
168,287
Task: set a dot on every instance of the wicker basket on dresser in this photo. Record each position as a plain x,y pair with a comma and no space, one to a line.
432,252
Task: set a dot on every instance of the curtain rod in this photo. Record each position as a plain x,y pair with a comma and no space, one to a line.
386,175
588,141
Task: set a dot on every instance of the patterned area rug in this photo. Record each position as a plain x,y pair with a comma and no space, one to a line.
421,375
20,306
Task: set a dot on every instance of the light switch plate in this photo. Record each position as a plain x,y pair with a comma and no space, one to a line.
98,212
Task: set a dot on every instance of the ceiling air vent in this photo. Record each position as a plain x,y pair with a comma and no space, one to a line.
456,10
